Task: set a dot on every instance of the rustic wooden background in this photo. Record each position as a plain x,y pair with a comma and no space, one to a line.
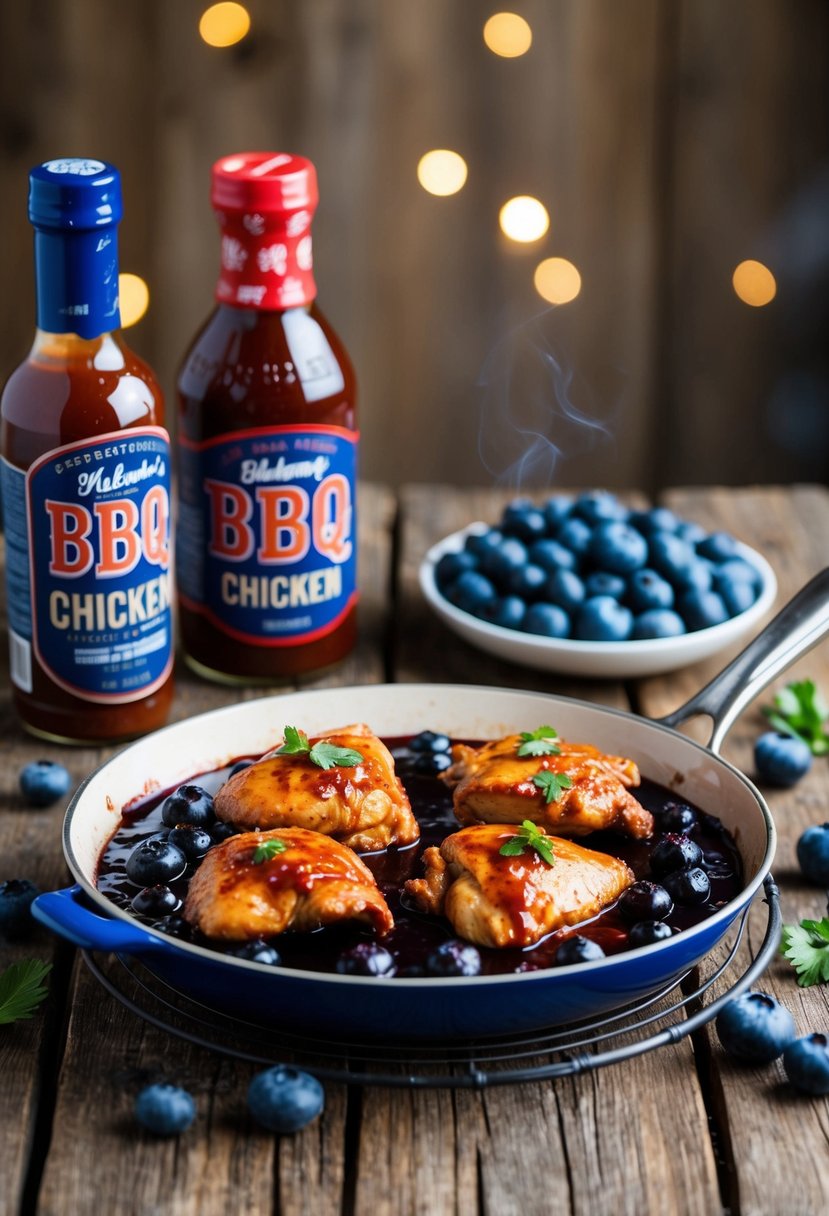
670,139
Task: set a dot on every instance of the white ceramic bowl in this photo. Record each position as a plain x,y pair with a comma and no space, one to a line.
596,659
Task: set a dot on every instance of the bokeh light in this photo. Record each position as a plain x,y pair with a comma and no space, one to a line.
224,24
524,218
508,35
754,283
557,281
133,298
441,171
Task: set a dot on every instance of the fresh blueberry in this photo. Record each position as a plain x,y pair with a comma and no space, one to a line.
155,861
220,832
618,548
697,577
577,950
669,555
737,596
674,851
688,886
451,565
657,623
173,926
471,592
781,759
156,901
258,952
430,741
717,865
366,958
165,1109
813,854
755,1028
43,782
737,570
806,1062
575,535
16,896
557,509
702,609
565,589
188,804
647,590
240,767
524,521
602,582
718,547
194,842
498,563
689,532
527,582
645,901
508,611
454,958
603,619
646,932
283,1099
479,543
599,506
657,519
548,620
677,817
552,556
429,764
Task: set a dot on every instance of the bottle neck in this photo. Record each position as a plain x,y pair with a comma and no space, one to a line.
103,353
266,261
77,281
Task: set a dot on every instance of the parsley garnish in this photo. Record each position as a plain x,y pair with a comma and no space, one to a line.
530,836
324,755
268,849
806,946
22,988
799,709
552,785
539,742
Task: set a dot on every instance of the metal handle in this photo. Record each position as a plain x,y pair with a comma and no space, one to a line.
61,912
799,626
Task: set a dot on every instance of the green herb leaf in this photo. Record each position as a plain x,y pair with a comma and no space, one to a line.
529,836
327,755
806,946
296,743
799,709
22,988
552,785
539,742
268,849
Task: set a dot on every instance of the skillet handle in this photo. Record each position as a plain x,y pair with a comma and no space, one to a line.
61,912
798,627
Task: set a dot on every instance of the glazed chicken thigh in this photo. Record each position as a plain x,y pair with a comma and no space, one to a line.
493,784
310,882
494,900
364,805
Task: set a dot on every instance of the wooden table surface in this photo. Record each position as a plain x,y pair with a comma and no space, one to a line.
681,1130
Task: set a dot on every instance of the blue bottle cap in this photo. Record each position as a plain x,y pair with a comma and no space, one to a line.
74,193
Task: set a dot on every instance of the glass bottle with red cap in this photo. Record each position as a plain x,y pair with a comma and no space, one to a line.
267,444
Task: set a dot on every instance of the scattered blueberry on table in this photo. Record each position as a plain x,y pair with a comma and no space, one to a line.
43,782
591,569
164,1109
781,759
16,897
806,1062
284,1099
813,854
755,1028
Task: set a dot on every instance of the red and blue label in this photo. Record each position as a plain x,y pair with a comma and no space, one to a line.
266,532
92,520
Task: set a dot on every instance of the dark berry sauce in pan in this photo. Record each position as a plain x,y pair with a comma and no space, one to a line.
416,935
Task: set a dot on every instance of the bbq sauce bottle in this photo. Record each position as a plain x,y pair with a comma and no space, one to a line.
267,444
85,474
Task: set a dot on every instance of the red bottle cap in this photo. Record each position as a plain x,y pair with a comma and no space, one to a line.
265,202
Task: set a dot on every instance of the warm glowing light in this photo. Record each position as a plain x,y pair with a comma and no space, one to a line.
754,283
524,218
441,171
508,35
224,24
557,280
133,298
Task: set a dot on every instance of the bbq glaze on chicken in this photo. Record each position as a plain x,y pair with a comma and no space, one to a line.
364,805
310,882
494,900
493,784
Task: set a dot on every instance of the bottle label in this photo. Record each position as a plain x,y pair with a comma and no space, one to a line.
266,531
88,560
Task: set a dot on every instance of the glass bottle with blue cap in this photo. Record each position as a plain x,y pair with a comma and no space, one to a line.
85,476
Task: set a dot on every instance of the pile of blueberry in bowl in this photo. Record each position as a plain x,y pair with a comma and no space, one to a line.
588,586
